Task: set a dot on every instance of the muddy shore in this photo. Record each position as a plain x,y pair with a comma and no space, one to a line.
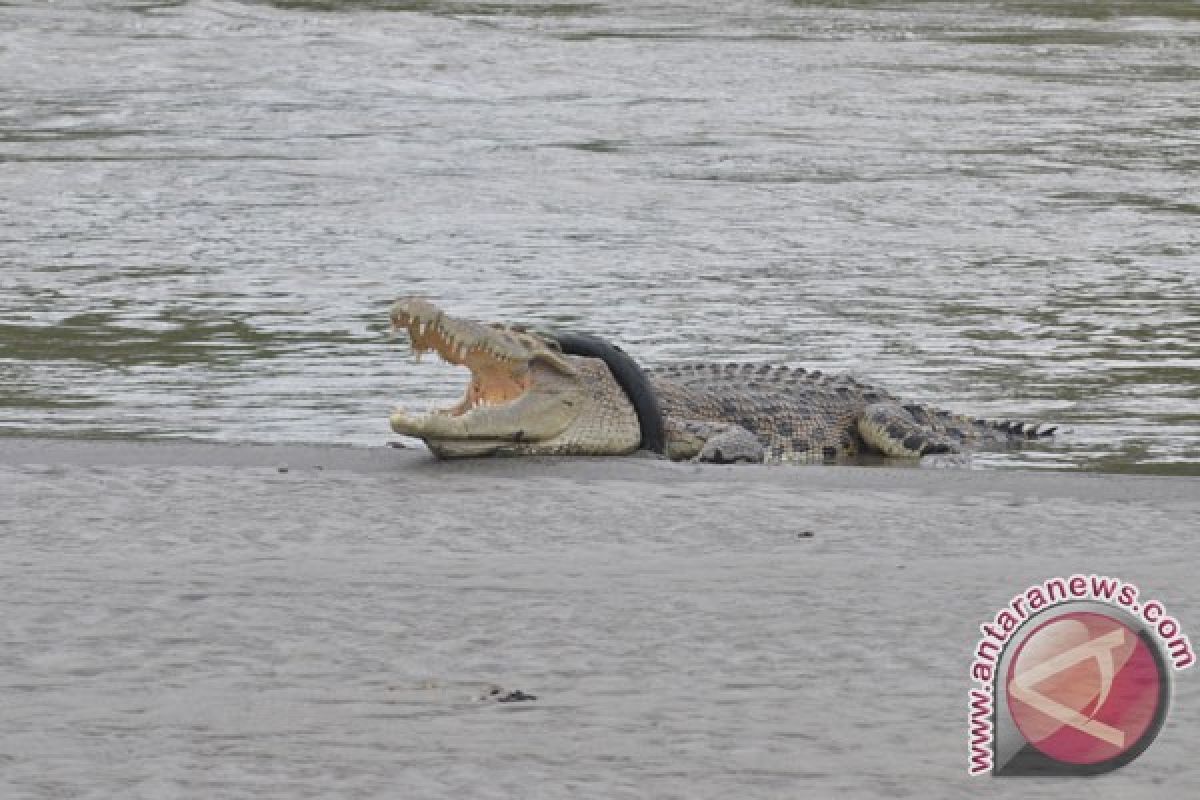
224,621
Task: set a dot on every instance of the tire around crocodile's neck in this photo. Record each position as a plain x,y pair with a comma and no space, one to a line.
629,376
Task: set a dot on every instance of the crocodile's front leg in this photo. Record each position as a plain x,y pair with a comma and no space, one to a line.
712,442
892,430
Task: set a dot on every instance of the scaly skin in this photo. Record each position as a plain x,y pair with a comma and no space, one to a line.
527,398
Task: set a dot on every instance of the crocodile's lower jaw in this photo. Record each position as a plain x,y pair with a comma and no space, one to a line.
445,444
446,449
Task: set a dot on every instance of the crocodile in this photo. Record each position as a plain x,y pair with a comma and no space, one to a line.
537,392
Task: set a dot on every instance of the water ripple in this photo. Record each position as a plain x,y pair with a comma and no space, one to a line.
209,205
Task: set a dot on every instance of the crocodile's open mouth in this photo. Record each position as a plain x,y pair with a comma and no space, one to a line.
515,379
499,373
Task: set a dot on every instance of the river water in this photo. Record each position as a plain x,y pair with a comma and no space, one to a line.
207,206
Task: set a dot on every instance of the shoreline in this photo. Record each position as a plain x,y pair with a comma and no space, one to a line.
417,463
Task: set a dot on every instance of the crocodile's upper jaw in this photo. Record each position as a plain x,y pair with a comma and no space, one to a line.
523,395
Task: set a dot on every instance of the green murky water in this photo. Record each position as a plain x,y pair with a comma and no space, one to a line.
206,206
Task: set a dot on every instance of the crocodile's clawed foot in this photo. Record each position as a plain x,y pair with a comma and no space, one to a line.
939,445
712,443
735,446
948,460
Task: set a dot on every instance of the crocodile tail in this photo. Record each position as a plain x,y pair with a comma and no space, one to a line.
1011,431
968,428
1020,430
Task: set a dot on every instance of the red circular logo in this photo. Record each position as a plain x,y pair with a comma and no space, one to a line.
1084,688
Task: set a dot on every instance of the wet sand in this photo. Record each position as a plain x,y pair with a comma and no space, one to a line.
185,620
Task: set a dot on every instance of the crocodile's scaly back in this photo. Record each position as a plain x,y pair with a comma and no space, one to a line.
797,414
802,415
